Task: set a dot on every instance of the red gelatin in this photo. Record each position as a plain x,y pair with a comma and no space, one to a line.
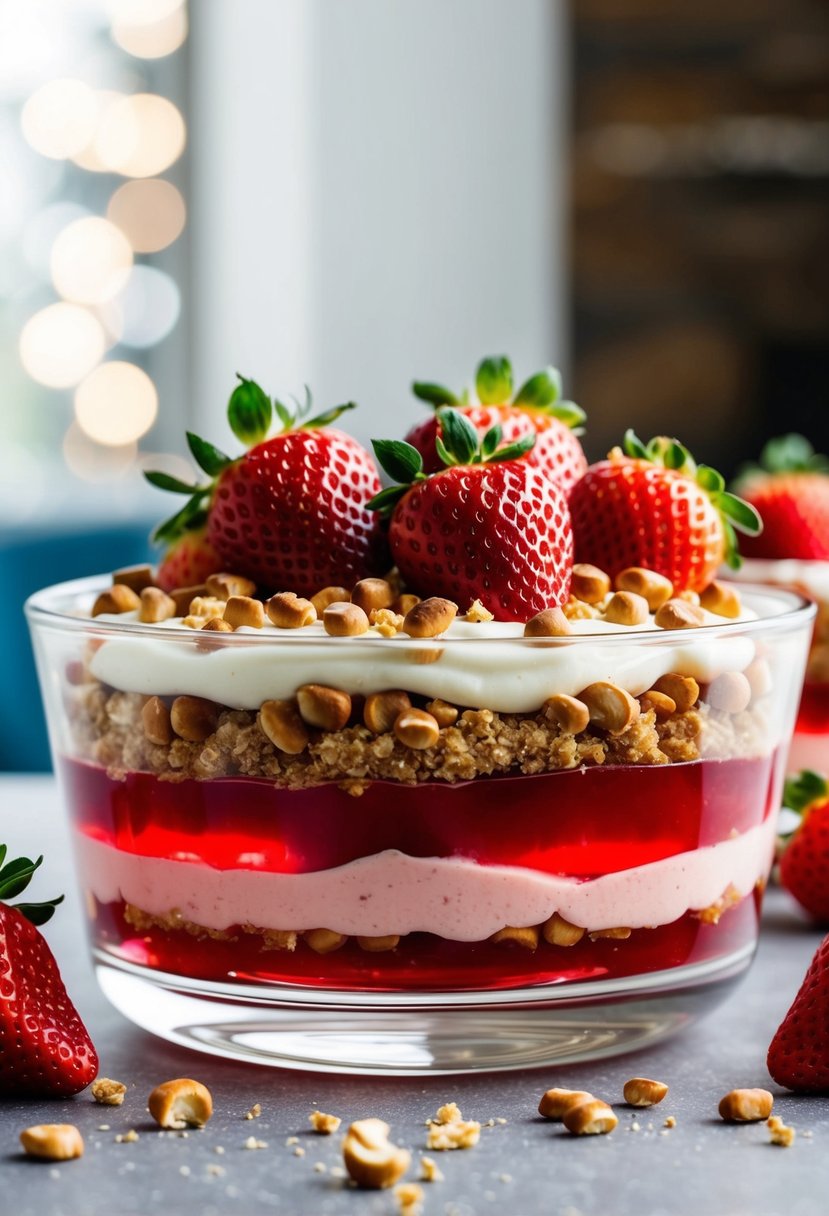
581,823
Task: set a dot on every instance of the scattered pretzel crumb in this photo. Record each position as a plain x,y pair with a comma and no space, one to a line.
52,1141
253,1143
429,1171
180,1103
320,1167
409,1197
505,1177
254,1112
108,1092
323,1124
103,1127
449,1130
476,613
184,1170
371,1159
779,1133
218,1149
127,1137
216,1171
746,1105
670,1121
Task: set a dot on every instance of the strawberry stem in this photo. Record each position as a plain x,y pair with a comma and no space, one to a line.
494,386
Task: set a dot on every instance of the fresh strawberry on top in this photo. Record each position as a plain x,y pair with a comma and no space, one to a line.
790,489
45,1049
189,561
804,861
488,526
536,407
798,1057
652,505
290,512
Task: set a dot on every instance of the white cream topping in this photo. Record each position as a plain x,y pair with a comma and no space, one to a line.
810,576
391,892
492,666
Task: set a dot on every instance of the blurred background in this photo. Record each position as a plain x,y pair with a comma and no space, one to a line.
357,194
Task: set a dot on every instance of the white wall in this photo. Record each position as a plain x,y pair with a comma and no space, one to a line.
376,195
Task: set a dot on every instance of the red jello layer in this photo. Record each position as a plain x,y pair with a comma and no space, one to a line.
580,823
813,714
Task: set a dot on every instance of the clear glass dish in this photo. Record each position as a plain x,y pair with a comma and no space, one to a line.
520,892
810,741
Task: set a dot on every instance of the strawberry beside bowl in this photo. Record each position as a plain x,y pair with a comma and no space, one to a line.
403,837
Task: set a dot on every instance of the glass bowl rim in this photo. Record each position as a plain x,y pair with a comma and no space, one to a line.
40,611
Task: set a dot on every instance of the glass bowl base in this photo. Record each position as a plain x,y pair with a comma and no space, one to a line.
397,1034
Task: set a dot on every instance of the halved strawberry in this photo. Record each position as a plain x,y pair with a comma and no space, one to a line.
790,489
487,527
798,1057
289,513
653,506
804,860
537,407
45,1049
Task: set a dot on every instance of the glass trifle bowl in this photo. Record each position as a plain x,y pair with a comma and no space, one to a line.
810,578
414,841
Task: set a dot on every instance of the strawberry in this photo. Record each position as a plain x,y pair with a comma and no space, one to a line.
189,561
790,489
653,506
536,407
290,512
804,861
799,1053
487,527
45,1050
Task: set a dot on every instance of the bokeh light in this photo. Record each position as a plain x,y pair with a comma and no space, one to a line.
152,40
42,230
91,461
91,261
142,12
146,310
59,119
88,157
61,344
116,404
140,136
150,212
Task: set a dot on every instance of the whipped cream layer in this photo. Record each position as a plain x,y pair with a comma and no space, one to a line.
809,577
491,667
391,892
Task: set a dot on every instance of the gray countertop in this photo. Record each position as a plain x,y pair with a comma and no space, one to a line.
523,1166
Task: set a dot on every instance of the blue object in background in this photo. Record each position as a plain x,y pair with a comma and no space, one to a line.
29,562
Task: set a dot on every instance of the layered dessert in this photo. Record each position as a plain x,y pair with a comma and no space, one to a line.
790,486
368,739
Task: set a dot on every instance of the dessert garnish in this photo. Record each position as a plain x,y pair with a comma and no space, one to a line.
536,407
804,860
487,527
45,1049
790,489
652,505
290,511
798,1057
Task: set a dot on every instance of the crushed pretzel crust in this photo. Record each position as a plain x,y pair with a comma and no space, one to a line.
108,1092
108,729
449,1130
323,1124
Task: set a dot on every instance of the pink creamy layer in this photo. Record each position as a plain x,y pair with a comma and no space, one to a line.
391,892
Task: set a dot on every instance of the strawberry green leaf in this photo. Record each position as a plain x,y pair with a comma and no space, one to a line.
569,413
434,394
514,451
163,481
191,516
40,913
709,479
493,380
802,790
741,514
284,414
732,549
541,390
399,459
16,876
792,454
490,441
329,416
386,500
206,456
249,412
458,440
634,447
3,851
